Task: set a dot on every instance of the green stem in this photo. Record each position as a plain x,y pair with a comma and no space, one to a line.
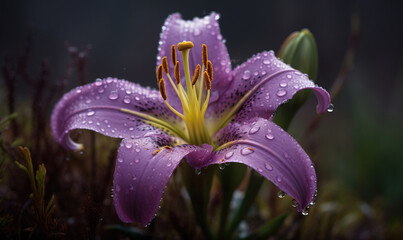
198,187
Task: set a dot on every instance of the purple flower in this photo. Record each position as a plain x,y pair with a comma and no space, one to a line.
214,117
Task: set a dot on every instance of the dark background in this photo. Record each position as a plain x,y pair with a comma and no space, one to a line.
361,140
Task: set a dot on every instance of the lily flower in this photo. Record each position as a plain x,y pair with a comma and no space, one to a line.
204,112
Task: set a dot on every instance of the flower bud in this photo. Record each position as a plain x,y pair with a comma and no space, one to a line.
300,52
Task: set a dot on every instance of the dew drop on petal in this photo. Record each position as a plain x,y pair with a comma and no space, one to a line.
279,179
246,151
305,211
281,93
294,203
128,145
98,82
313,201
266,61
137,150
197,171
113,95
289,76
127,100
137,160
120,160
90,112
268,166
246,75
330,109
283,84
270,136
229,155
254,130
260,170
281,194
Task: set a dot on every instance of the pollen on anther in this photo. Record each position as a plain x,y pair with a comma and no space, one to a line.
162,89
177,73
210,70
173,54
204,54
165,64
207,80
159,73
184,46
196,74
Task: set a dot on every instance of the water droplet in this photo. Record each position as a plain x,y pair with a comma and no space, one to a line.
78,91
281,93
294,203
113,95
120,160
98,82
127,100
270,136
90,113
197,171
169,164
246,75
137,98
254,130
289,76
137,150
266,61
312,177
229,155
313,201
260,170
281,194
128,145
137,160
268,166
305,211
283,84
221,166
330,109
246,151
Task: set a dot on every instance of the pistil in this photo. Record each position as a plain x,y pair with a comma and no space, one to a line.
195,98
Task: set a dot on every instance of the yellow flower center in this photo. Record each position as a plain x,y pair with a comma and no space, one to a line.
195,98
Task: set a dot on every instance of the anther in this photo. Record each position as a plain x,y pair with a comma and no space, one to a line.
159,73
162,89
204,54
165,64
196,74
207,79
173,54
184,46
176,71
210,70
160,149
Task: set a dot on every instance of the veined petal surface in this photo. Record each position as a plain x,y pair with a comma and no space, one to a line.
267,82
143,168
199,31
97,106
272,152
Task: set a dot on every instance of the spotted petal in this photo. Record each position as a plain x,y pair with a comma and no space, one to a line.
97,106
142,173
266,82
199,31
269,150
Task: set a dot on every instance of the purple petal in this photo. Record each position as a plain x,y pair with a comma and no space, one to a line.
141,175
268,149
200,31
270,83
97,106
